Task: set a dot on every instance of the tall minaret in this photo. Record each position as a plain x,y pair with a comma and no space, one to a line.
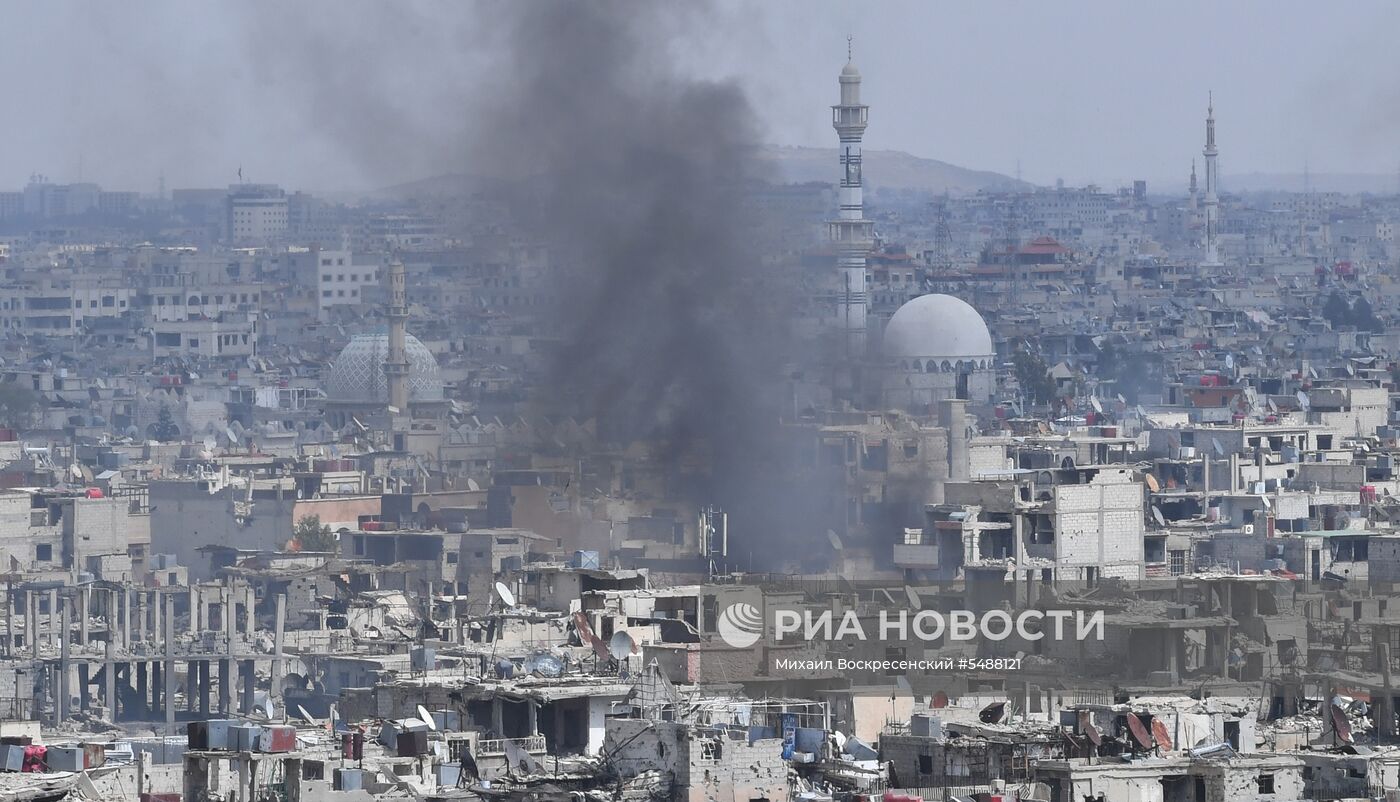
396,366
850,231
1212,203
1192,201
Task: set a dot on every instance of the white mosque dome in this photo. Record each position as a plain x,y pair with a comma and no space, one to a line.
850,71
357,374
939,327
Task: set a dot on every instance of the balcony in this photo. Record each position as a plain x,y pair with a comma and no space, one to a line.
534,744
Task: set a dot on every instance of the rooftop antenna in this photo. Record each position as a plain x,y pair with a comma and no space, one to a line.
849,40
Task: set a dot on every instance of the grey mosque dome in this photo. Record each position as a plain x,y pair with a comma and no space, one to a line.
357,374
940,327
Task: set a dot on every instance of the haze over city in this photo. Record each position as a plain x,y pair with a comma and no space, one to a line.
335,96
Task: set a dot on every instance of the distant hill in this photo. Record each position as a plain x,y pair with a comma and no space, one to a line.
884,169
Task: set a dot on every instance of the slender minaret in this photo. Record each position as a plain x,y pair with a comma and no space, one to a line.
850,231
1192,202
1212,203
1193,185
396,366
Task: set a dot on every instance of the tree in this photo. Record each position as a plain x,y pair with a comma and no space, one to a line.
1033,375
17,404
311,535
165,428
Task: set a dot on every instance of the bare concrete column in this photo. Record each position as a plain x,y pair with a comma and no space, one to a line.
158,630
63,665
138,608
196,610
250,618
85,600
226,604
109,682
31,622
170,665
124,602
279,625
53,616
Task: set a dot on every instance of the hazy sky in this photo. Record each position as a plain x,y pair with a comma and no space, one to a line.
338,95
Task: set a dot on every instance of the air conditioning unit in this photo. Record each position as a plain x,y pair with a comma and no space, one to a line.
1248,529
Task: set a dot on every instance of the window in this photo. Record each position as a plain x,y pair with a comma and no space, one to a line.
711,750
326,277
43,552
451,558
925,764
1266,783
325,293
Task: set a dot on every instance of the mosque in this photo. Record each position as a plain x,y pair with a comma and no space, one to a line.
388,374
935,347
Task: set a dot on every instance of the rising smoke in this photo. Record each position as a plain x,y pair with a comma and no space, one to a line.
670,327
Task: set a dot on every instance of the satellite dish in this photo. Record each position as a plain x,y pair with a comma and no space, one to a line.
914,600
621,646
840,738
1157,515
1160,735
835,541
544,664
232,438
1267,504
1121,399
1151,482
1219,449
209,444
307,717
1303,400
1094,401
427,718
507,597
1139,732
1272,406
1230,361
